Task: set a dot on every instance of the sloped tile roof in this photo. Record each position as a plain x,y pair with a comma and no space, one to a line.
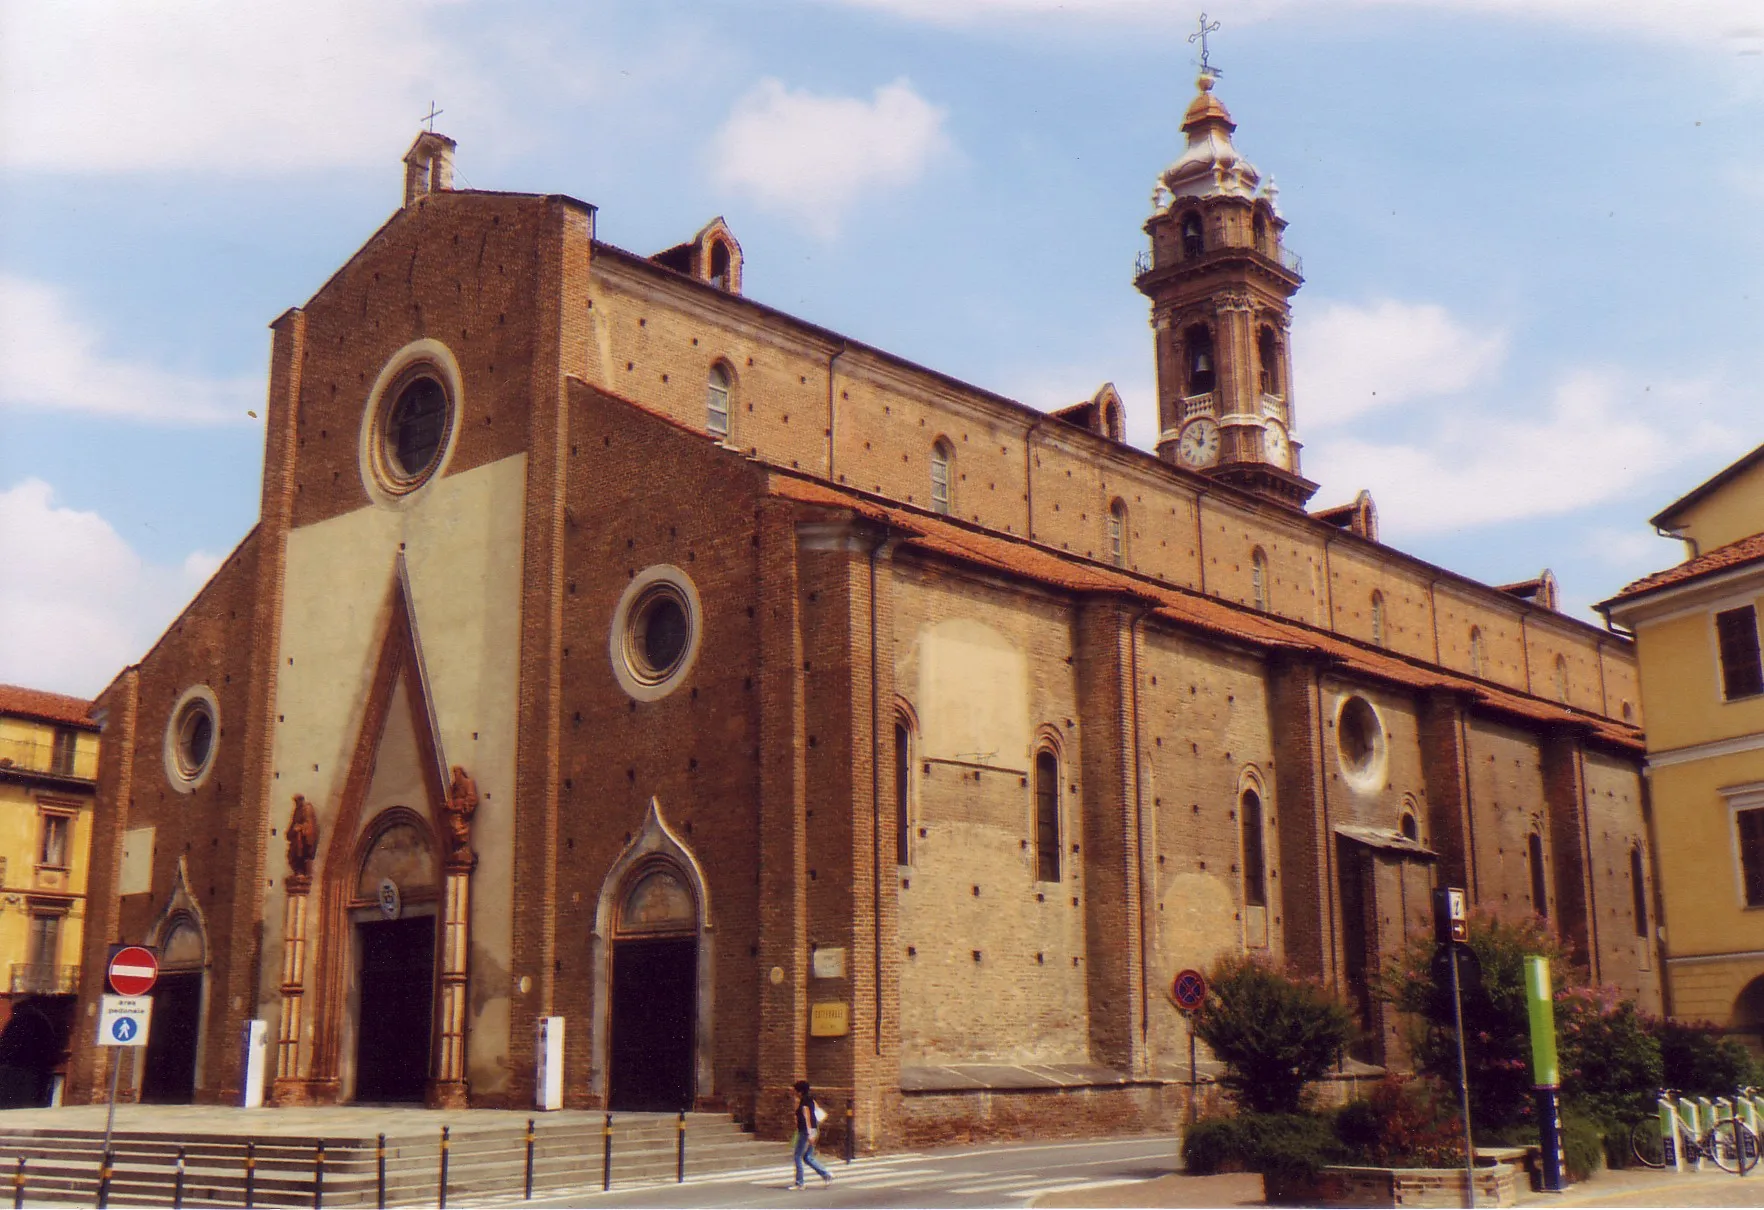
46,706
1734,554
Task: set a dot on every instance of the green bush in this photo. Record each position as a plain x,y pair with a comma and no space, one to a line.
1403,1124
1611,1062
1281,1145
1274,1033
1583,1146
1697,1061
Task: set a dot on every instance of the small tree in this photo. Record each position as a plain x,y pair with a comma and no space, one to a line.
1274,1033
1497,1032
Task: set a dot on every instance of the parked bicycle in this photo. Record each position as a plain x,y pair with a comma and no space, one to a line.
1727,1141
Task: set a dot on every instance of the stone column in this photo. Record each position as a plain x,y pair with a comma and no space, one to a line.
448,1089
290,1087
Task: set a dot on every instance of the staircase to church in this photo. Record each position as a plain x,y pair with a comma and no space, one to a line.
482,1161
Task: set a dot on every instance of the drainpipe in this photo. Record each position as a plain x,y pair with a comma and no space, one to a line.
830,411
1029,479
1200,540
881,544
1147,897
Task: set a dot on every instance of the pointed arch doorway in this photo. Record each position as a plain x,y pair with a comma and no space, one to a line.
653,964
654,991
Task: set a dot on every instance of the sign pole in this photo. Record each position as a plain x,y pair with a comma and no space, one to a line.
109,1122
1463,1086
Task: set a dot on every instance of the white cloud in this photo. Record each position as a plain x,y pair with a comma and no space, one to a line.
50,358
813,156
251,86
1477,468
1351,359
77,603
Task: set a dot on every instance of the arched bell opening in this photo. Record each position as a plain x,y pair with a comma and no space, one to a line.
653,966
393,911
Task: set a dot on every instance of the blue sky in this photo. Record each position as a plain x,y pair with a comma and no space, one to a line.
1529,230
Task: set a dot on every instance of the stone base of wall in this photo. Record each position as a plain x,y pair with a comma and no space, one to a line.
929,1119
1351,1186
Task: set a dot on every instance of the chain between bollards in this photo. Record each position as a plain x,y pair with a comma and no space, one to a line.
442,1200
680,1156
250,1173
529,1193
606,1155
318,1175
380,1172
178,1186
18,1185
850,1134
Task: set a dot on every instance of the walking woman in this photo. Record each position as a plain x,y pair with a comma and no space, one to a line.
809,1117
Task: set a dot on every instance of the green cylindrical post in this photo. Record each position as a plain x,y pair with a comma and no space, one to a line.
1546,1074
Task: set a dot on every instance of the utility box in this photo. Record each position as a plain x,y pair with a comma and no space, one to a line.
255,1069
548,1060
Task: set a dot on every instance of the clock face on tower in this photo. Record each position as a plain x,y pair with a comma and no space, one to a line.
1199,445
1275,445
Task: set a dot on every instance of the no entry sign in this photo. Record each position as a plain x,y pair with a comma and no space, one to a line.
133,971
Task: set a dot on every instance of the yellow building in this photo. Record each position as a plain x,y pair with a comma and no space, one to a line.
1702,683
48,766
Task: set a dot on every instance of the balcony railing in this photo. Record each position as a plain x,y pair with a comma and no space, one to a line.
1274,407
33,756
1142,264
1196,405
42,979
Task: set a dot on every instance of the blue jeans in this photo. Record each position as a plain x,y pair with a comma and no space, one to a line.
802,1151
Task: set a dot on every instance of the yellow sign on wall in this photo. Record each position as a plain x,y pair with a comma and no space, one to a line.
829,1019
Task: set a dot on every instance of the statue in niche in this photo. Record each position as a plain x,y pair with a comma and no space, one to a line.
461,805
302,837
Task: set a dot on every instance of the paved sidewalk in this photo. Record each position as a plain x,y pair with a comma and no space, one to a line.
1176,1190
1648,1187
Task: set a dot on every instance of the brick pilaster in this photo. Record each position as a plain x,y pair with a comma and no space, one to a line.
1445,768
1564,785
1307,856
1114,913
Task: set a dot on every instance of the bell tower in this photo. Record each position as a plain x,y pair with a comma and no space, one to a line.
1221,283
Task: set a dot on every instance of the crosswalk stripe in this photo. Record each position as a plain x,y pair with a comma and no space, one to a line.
998,1185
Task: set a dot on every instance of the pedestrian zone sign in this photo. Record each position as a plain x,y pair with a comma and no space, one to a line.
122,1020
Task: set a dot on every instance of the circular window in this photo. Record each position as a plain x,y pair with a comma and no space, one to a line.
1359,741
410,423
191,735
655,632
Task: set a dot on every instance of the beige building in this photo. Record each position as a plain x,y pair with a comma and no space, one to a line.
1697,640
48,762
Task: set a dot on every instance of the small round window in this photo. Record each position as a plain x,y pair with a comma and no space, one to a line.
414,431
191,735
1359,738
655,632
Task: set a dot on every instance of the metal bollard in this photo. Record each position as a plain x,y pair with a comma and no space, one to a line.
680,1156
442,1200
380,1167
178,1185
104,1180
18,1185
250,1173
606,1156
850,1133
318,1176
529,1193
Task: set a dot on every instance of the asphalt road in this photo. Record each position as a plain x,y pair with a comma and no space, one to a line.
994,1175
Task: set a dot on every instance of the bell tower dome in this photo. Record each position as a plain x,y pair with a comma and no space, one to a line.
1221,283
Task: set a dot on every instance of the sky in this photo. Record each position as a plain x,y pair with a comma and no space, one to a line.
1529,229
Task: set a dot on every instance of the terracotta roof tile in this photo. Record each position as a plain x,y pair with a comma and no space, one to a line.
1021,557
1734,554
49,707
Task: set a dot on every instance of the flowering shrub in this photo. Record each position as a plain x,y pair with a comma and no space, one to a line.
1273,1032
1497,1031
1405,1123
1699,1062
1610,1061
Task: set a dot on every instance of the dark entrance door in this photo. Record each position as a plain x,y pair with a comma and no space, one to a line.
654,1008
170,1074
392,1039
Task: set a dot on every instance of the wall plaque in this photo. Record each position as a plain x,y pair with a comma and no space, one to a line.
829,963
829,1019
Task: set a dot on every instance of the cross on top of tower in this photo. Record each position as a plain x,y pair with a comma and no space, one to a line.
1200,35
435,113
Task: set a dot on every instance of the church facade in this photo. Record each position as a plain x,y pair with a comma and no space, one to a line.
614,648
